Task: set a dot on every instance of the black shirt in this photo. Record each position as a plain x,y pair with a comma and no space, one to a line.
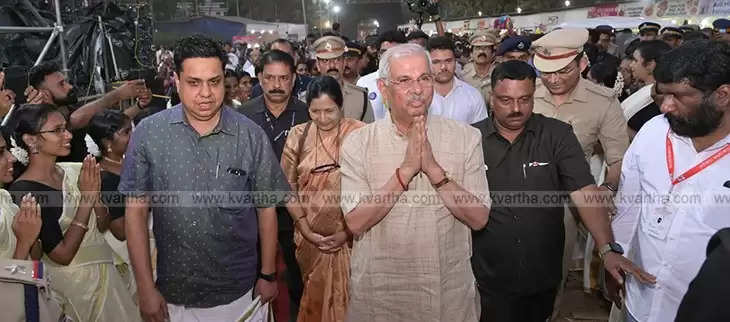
51,202
707,297
110,195
277,129
642,116
520,250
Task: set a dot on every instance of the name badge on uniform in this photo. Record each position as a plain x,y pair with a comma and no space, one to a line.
659,221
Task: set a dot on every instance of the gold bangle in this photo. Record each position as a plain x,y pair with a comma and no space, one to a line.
80,225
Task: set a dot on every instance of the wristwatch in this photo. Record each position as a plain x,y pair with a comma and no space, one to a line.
268,277
610,247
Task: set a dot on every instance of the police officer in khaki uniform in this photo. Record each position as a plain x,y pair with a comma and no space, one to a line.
329,51
593,111
478,72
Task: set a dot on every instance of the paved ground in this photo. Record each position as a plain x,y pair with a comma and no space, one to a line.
579,306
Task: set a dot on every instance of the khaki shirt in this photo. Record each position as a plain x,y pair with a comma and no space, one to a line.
595,114
415,264
355,103
483,84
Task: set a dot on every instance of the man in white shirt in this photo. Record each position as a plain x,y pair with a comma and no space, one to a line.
386,40
452,98
673,195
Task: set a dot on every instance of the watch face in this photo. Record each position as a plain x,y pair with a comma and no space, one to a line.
616,247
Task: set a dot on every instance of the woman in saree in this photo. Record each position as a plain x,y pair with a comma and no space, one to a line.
311,164
72,245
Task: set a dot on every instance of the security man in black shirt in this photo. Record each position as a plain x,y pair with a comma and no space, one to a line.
533,163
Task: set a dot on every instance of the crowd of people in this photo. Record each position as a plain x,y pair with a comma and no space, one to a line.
414,178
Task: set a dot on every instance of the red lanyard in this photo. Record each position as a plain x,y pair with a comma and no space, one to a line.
696,169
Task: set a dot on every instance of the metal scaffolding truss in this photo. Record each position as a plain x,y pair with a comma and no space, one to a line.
56,32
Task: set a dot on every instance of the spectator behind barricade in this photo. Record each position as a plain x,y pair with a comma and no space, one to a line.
245,83
48,85
230,81
110,131
418,37
630,84
20,227
232,58
302,69
72,240
254,54
312,66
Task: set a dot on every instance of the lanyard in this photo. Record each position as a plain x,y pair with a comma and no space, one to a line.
697,168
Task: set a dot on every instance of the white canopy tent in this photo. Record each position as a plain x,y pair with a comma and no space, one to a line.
615,22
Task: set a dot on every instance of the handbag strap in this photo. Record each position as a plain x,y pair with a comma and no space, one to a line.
302,139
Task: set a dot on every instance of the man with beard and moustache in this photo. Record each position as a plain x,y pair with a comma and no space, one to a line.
277,111
453,98
386,40
593,111
415,188
477,73
329,51
355,61
674,178
517,258
48,85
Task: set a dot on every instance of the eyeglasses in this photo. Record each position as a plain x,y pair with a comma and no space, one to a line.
58,131
562,72
406,83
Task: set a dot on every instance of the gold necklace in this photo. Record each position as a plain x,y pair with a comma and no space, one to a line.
113,161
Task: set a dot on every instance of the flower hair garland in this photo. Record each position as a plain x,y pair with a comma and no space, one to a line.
91,146
19,153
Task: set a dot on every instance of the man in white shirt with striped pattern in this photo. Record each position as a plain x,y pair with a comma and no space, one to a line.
674,192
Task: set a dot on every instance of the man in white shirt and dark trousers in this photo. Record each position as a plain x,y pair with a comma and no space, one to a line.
452,98
673,197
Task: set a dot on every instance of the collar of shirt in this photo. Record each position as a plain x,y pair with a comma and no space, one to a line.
491,129
579,94
455,87
226,124
260,107
688,141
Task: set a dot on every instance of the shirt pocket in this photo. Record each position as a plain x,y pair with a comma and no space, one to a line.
233,187
539,175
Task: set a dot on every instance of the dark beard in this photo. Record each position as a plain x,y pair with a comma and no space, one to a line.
70,99
705,119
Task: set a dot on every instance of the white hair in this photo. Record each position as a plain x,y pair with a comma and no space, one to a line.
402,50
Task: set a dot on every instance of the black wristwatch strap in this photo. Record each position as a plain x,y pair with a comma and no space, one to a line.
268,277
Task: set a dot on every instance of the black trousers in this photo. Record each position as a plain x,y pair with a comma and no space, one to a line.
293,274
500,307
